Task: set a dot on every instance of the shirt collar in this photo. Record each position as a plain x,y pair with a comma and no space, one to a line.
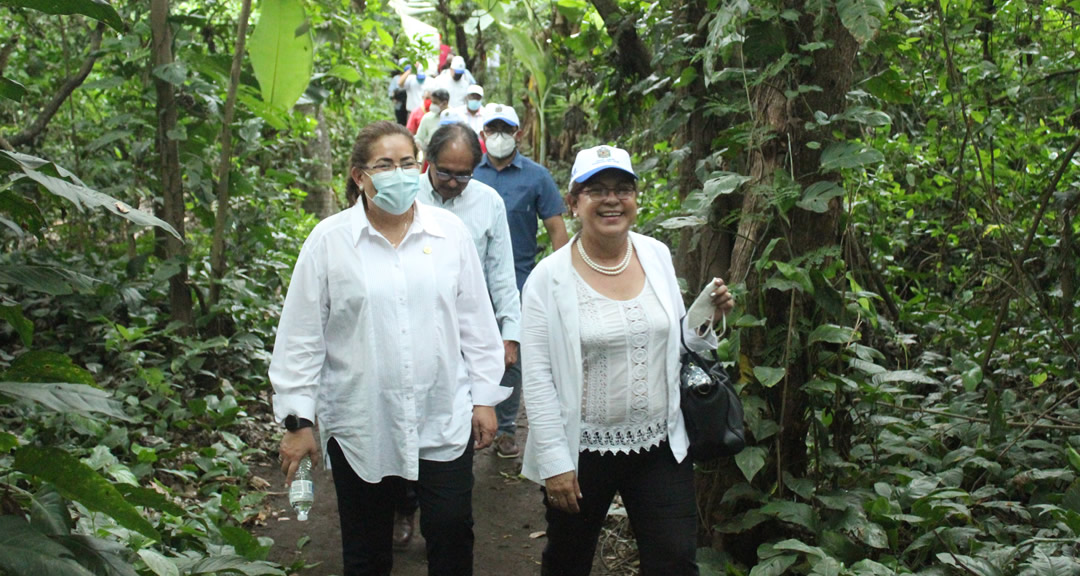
422,217
517,162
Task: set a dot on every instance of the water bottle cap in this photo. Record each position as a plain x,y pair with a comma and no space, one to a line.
301,516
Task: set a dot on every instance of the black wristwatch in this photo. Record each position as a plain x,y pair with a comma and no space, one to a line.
292,423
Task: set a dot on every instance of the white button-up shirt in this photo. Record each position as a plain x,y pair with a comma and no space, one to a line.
482,210
390,348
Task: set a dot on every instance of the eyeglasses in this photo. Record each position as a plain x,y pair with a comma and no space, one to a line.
462,179
504,129
622,191
409,164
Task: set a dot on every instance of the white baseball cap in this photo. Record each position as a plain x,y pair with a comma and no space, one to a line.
457,64
593,160
502,112
450,117
475,89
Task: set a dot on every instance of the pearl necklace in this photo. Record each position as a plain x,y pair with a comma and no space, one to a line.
608,270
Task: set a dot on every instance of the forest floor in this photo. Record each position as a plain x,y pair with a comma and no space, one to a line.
507,511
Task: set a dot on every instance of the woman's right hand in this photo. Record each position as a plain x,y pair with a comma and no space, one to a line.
294,446
563,492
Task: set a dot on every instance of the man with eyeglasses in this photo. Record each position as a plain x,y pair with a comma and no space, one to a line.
453,153
529,193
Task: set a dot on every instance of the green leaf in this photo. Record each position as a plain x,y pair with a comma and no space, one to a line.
282,52
100,556
909,376
792,545
233,564
49,513
174,73
1074,459
245,544
11,89
61,182
24,550
7,442
346,73
14,316
832,334
979,566
1044,565
147,498
841,155
774,566
768,376
47,366
861,17
817,195
792,513
751,460
62,397
96,9
677,222
48,279
158,563
79,482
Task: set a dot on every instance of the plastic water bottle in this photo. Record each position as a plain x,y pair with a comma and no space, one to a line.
302,490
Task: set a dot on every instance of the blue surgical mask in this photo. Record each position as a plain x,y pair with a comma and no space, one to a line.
395,189
473,105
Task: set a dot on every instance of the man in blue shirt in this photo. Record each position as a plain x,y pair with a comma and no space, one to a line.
530,194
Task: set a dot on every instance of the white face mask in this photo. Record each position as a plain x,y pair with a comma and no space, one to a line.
435,109
500,145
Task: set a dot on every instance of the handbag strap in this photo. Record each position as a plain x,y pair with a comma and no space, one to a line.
695,355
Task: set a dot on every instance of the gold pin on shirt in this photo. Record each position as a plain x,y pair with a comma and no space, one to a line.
427,249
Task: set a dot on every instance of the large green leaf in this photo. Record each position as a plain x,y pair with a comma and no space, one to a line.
57,180
832,334
96,9
11,89
24,550
817,195
48,279
47,366
158,563
793,513
861,17
233,564
49,513
14,316
62,397
282,52
768,376
79,482
774,566
840,155
103,557
751,460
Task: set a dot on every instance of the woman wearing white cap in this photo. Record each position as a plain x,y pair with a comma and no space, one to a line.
601,324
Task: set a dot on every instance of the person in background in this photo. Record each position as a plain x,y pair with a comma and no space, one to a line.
387,337
456,81
453,153
530,194
398,96
413,84
603,323
473,110
430,122
413,124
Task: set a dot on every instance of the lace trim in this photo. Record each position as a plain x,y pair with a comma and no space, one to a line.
623,439
594,400
638,338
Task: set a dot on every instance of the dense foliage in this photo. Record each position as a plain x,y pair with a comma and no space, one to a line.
892,187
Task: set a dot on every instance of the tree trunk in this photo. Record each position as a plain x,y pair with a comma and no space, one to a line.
320,199
169,153
633,57
217,248
832,70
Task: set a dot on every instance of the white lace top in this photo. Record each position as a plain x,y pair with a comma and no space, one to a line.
624,398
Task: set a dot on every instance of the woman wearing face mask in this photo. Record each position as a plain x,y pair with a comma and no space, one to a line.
387,338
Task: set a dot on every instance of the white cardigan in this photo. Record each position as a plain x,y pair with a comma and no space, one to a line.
552,372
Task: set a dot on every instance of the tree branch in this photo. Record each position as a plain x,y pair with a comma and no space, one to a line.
38,126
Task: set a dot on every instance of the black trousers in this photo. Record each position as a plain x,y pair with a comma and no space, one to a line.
658,493
444,490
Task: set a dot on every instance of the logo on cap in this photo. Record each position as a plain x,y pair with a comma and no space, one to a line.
603,153
498,108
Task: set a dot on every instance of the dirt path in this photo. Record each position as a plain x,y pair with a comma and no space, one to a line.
506,509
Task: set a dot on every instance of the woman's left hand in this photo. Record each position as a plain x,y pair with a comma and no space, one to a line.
484,424
722,299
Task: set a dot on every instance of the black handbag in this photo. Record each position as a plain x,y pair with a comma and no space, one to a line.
710,407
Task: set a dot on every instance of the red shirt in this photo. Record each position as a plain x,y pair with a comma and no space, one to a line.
413,124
